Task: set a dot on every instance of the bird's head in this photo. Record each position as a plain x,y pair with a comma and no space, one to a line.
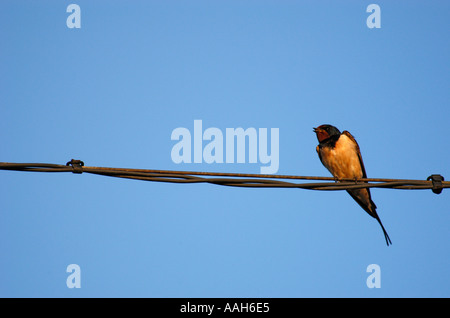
324,132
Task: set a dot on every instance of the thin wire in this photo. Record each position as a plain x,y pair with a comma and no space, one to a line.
231,179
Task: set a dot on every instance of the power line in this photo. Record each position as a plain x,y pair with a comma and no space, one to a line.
434,182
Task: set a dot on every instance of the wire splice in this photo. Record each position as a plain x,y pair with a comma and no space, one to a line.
437,183
77,165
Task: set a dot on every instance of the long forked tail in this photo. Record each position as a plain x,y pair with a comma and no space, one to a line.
386,236
363,198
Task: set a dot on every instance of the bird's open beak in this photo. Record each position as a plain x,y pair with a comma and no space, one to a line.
316,129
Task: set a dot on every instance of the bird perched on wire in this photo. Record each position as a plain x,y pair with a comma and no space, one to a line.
340,154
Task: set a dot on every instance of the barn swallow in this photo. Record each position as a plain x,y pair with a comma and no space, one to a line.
340,154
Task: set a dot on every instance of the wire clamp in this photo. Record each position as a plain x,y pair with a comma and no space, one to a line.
437,183
76,165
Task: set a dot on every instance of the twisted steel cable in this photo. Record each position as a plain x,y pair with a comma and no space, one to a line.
434,182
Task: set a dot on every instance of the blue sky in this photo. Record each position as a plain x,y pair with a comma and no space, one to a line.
111,92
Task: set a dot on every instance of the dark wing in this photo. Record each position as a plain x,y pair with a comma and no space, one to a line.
368,205
349,135
359,194
355,194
